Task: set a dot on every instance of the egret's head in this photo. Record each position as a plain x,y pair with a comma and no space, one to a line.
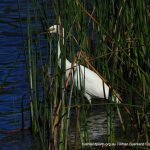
54,29
57,29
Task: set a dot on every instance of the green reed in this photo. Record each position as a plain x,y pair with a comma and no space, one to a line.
115,36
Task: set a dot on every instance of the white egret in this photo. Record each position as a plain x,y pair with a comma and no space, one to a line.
84,78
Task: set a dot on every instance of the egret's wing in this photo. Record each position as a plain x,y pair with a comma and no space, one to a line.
94,85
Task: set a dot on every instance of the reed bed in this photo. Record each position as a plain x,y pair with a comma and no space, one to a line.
110,37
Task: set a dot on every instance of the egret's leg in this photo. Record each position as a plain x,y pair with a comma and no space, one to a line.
88,97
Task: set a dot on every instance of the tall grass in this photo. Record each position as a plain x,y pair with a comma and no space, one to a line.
114,35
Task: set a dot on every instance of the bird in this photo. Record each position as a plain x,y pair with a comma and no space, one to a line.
93,85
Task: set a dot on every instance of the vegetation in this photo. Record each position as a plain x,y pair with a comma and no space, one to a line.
111,37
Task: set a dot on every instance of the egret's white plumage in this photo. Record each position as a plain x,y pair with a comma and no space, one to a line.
93,85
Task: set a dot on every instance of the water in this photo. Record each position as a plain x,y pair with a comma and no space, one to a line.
14,84
13,79
20,141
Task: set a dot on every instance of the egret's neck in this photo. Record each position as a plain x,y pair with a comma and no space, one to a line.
59,41
68,64
58,49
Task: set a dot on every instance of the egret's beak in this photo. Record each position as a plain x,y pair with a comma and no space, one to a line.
50,30
44,32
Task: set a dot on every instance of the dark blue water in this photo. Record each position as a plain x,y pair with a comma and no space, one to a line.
13,79
20,141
